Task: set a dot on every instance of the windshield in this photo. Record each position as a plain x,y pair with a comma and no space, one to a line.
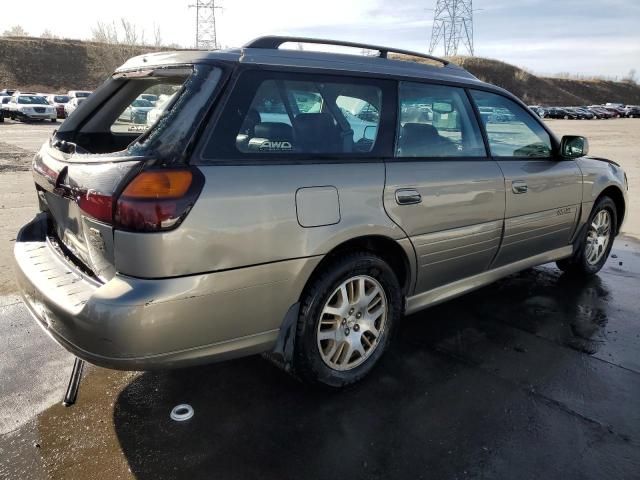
32,100
82,94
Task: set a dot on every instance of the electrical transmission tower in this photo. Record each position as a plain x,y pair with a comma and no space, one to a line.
452,23
206,35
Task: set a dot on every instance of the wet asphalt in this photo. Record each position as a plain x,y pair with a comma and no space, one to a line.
535,376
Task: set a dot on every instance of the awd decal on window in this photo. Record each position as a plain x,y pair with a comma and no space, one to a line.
270,145
138,128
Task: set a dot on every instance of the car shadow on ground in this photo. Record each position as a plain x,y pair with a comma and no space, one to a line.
443,403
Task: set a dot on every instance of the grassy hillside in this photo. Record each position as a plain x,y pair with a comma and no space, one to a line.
59,65
533,89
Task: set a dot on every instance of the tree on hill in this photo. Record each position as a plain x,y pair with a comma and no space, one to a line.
119,41
15,31
48,34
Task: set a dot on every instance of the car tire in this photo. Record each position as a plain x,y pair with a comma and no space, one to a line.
590,254
347,316
54,120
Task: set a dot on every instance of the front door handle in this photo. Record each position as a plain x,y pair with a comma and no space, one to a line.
518,186
408,196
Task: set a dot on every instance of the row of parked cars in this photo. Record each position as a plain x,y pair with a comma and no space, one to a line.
588,112
31,106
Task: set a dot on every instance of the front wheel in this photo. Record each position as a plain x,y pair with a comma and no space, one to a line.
595,245
346,318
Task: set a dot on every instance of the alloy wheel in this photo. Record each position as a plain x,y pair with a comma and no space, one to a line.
598,237
352,322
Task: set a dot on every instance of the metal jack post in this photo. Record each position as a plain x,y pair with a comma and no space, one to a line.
74,383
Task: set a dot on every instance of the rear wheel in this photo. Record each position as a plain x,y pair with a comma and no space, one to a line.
596,242
346,319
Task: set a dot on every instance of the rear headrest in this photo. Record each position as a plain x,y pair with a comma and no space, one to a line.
317,132
415,131
314,121
274,131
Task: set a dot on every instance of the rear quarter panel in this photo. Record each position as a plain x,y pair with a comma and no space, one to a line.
247,215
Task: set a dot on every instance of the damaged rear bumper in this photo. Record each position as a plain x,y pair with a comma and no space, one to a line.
138,324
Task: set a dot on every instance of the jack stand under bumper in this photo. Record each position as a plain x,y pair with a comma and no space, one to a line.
74,383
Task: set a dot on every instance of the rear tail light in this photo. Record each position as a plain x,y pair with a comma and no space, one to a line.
157,200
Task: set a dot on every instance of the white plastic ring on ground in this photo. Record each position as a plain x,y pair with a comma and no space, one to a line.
181,412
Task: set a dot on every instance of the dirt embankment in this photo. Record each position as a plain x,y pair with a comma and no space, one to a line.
538,90
57,65
44,65
533,89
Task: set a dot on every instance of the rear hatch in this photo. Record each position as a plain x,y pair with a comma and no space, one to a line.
81,172
78,198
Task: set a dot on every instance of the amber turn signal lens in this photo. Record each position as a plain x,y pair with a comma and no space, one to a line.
159,184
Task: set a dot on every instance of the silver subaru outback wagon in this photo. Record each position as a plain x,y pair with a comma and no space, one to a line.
201,206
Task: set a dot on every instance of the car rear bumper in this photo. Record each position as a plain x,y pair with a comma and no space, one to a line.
140,324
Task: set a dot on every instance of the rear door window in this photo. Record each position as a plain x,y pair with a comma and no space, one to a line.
273,114
436,121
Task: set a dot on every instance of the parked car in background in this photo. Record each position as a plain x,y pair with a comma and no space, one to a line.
7,91
614,111
267,223
537,109
79,93
599,113
632,111
4,100
560,113
160,107
72,104
30,107
149,98
137,111
59,101
582,114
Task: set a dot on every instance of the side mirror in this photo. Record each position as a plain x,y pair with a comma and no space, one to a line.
573,146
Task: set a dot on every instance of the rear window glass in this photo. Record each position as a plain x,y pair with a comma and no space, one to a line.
61,98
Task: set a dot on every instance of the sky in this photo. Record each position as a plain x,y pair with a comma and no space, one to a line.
580,37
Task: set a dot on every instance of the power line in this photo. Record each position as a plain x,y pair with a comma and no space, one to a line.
206,35
452,24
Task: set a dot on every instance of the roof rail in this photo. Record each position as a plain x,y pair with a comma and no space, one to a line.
273,42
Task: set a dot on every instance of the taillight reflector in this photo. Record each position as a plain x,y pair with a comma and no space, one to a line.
97,206
159,184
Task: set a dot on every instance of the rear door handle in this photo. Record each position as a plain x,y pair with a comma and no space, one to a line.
408,196
518,186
